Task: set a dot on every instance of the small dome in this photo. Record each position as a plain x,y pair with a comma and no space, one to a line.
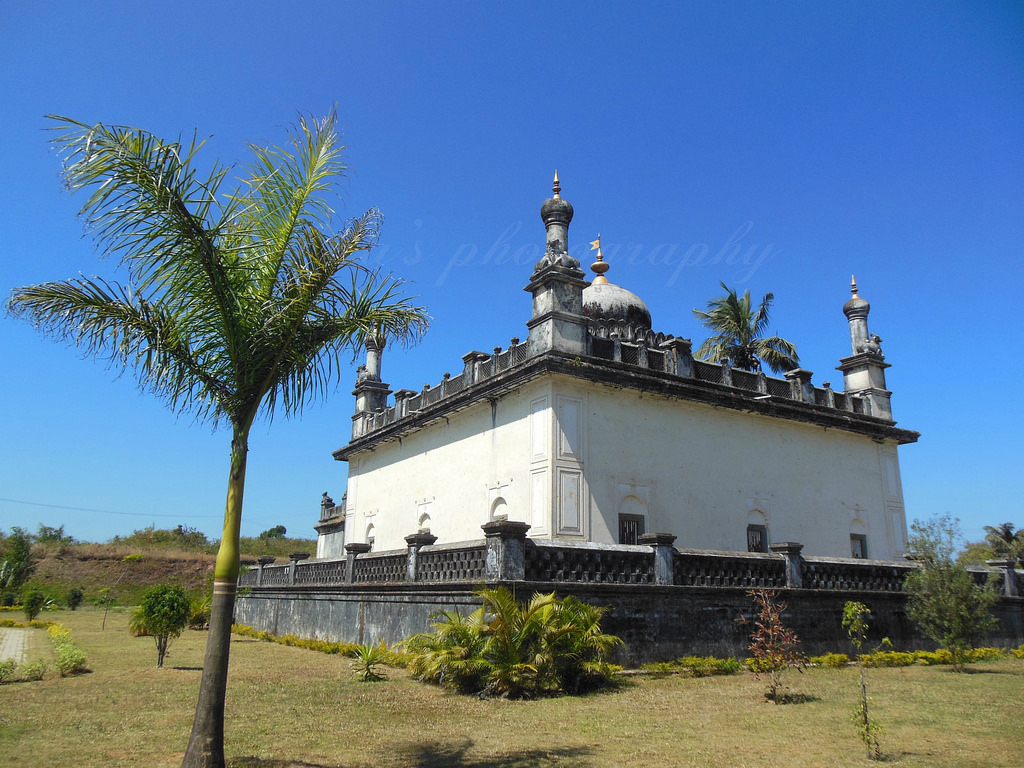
555,208
856,305
612,304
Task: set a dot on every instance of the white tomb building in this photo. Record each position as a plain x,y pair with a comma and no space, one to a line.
598,429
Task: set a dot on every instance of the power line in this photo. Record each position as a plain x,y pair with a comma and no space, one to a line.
103,511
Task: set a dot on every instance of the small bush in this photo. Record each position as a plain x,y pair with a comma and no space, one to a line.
75,597
985,654
660,668
887,659
70,658
367,660
32,673
199,612
830,660
931,658
32,603
1018,653
7,667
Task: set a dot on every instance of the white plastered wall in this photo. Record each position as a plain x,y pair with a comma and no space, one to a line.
704,473
567,456
459,470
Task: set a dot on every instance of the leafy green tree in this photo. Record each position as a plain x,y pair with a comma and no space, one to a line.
277,532
942,596
163,615
75,597
16,567
239,303
32,603
738,334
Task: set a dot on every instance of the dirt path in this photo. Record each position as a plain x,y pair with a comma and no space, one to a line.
13,644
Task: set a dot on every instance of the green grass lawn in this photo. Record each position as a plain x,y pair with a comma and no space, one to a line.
292,707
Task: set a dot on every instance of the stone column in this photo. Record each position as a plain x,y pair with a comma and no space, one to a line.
263,560
680,353
506,550
296,558
800,382
1009,575
794,563
664,556
351,550
415,541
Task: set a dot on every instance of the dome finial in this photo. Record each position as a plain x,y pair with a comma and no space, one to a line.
557,188
600,266
853,286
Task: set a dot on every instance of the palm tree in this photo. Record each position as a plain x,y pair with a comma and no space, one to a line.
236,304
739,334
1004,541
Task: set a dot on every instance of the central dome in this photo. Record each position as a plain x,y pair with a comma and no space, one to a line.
611,305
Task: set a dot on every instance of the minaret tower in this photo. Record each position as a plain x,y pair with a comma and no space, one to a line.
557,284
864,370
370,392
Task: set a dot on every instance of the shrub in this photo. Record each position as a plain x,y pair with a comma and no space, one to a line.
706,666
32,603
7,667
931,658
75,597
516,651
367,660
163,615
830,660
199,612
33,672
70,658
985,654
1018,653
887,659
773,645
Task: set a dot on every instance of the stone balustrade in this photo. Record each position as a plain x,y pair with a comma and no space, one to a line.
506,555
657,353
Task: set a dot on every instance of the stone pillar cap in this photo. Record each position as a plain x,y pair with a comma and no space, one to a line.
657,539
512,528
786,547
420,538
265,559
357,547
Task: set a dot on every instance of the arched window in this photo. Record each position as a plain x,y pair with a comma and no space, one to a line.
370,535
499,507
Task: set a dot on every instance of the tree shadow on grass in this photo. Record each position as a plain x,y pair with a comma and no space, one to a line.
258,762
435,754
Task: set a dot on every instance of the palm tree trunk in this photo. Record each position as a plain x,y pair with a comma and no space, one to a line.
206,744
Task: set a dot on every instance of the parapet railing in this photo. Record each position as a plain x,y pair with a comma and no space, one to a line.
507,555
477,367
673,355
657,353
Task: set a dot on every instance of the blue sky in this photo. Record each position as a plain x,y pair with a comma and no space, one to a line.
777,147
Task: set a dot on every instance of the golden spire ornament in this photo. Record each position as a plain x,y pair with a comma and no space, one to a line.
557,189
853,286
600,266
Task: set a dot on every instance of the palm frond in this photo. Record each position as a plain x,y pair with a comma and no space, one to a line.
109,321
